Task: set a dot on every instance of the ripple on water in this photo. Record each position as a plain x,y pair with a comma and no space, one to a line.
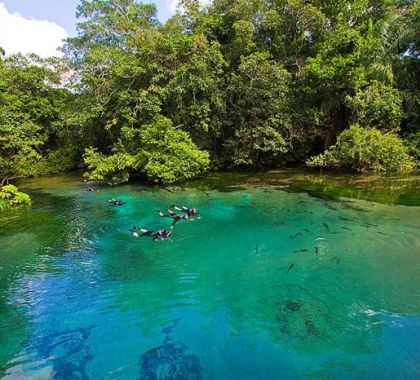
264,283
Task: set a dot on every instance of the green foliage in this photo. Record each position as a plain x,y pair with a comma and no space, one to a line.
168,154
57,161
161,152
366,149
113,169
255,83
412,142
258,146
259,93
377,105
31,105
10,197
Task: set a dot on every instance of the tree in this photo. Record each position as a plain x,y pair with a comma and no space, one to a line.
31,115
257,111
159,151
366,149
378,105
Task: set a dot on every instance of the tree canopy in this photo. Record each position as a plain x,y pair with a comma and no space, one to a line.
237,83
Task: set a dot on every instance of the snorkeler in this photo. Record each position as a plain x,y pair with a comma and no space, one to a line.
115,202
189,211
135,231
175,217
160,234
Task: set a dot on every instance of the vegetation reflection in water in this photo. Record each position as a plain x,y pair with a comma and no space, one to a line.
268,283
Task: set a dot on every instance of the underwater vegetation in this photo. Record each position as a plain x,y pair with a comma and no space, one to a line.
69,352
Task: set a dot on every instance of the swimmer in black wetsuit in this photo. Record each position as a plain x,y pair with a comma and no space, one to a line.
175,217
155,235
135,231
115,202
189,211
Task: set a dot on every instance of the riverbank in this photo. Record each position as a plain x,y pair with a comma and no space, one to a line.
401,189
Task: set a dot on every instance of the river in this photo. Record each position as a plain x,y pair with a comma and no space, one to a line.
287,275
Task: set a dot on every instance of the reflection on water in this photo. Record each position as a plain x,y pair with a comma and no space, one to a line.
390,189
303,283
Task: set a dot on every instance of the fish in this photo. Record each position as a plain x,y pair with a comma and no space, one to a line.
326,226
300,250
346,228
331,207
347,219
289,268
336,259
370,225
316,250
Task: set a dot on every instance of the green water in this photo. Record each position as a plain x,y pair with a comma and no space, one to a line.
286,276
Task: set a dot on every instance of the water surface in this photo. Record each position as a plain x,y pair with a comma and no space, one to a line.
285,276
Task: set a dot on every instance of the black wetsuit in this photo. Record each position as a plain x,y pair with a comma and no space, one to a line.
115,202
161,234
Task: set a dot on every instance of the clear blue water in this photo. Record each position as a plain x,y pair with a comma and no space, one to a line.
268,284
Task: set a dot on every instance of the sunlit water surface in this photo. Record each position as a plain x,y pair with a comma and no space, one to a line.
268,284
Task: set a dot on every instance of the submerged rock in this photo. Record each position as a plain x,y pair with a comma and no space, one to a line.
68,351
303,319
294,305
170,361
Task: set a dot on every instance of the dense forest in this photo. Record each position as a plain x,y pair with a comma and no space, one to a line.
249,84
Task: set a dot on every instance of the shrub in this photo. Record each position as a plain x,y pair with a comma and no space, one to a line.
412,142
168,154
11,197
160,151
256,147
113,169
57,161
366,149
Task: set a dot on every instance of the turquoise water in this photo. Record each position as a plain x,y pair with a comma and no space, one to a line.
268,284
